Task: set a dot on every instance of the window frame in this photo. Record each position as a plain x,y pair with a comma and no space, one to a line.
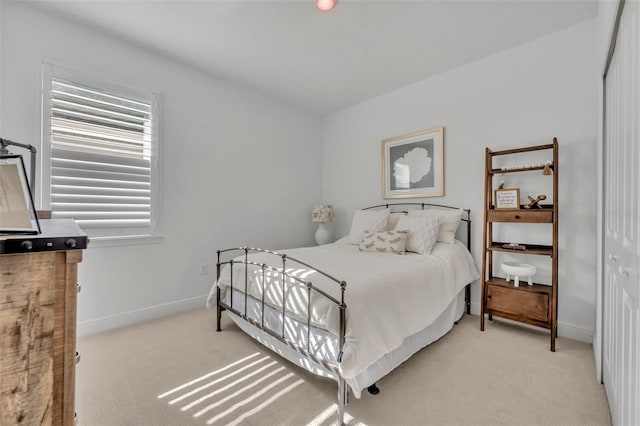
102,236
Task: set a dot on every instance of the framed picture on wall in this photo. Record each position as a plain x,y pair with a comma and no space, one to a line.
17,212
413,165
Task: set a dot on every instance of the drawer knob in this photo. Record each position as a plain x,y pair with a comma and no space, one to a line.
517,216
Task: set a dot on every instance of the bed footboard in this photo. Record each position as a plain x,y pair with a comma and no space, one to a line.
287,281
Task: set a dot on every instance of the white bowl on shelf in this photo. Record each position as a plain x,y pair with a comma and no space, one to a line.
517,270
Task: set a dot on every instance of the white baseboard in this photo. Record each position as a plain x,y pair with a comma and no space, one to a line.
571,331
127,318
564,330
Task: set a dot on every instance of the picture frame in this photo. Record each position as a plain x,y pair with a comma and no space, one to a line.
413,165
17,211
507,198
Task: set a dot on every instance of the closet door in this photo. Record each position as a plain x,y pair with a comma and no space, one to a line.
621,318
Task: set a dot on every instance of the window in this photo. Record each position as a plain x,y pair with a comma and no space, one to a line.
100,147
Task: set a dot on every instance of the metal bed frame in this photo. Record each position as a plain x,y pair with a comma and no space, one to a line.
331,365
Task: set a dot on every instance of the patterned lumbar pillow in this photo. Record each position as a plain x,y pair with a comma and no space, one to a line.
384,242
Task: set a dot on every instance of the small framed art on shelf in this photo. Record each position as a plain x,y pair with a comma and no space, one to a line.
508,198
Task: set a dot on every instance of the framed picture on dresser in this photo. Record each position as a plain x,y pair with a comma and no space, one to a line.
17,211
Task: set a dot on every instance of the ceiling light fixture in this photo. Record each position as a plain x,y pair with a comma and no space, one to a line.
325,5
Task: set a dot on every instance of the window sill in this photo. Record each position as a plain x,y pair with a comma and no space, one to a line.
124,241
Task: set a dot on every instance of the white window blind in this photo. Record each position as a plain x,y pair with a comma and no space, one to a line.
101,155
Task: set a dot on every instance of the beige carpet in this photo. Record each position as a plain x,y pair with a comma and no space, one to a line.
178,371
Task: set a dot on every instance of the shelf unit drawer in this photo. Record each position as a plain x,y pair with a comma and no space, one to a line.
523,216
518,302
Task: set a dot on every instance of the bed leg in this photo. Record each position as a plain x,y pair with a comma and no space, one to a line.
467,298
342,400
218,310
373,389
218,317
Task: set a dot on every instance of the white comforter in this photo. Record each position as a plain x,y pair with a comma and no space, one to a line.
389,297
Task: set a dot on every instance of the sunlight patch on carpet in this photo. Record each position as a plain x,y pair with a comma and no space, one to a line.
213,373
235,392
332,412
255,410
257,395
221,379
246,389
224,388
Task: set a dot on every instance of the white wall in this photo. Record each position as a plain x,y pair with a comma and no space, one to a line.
231,157
522,96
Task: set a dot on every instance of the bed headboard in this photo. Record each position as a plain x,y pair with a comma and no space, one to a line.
467,220
391,206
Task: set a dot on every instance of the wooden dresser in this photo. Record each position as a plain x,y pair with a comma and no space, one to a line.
38,292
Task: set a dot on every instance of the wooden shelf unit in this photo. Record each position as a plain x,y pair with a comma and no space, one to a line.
537,304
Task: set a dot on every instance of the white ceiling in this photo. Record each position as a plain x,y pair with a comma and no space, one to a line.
326,61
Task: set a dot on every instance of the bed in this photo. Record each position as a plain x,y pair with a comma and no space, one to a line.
354,310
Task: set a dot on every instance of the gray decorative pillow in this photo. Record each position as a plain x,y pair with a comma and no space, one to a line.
384,242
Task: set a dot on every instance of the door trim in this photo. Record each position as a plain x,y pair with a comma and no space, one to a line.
598,336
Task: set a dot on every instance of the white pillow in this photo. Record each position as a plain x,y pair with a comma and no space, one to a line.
449,225
384,242
423,231
367,220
